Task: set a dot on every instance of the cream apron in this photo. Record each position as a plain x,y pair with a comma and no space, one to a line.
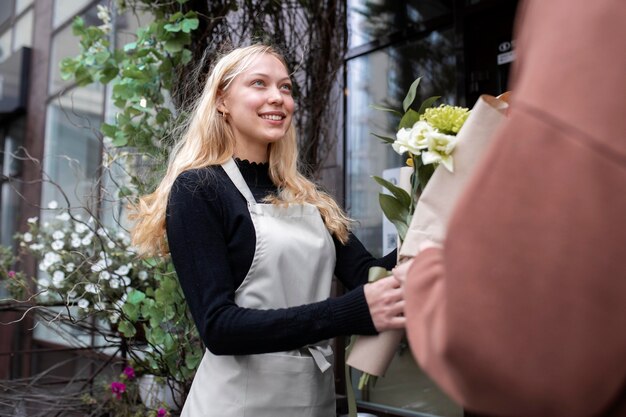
293,264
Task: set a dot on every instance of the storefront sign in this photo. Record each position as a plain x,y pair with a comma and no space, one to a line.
507,52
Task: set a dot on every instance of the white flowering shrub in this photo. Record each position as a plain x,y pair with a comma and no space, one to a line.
86,265
95,272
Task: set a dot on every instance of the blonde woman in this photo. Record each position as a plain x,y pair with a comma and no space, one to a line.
255,246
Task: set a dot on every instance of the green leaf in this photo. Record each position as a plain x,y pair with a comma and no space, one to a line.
173,27
409,119
395,212
190,24
174,45
130,47
410,96
120,139
376,107
126,328
403,197
385,139
186,56
108,130
192,360
427,103
392,207
131,311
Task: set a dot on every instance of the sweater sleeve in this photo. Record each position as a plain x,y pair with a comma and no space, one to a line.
354,262
196,232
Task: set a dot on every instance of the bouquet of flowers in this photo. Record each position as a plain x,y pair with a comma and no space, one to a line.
443,145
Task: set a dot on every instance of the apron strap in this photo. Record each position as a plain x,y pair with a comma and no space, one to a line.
235,176
319,358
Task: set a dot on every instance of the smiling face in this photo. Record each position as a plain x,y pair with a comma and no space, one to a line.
258,106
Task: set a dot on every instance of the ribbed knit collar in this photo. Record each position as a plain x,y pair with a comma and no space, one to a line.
256,174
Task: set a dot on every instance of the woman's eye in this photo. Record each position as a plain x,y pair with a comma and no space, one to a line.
287,87
258,83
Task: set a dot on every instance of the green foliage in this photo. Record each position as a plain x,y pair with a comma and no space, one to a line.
141,73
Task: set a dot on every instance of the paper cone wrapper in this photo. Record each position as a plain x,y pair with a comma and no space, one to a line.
373,354
435,205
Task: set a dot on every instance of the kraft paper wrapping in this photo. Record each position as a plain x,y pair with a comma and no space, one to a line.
434,207
373,354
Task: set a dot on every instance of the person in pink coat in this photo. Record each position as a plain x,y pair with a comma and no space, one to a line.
523,311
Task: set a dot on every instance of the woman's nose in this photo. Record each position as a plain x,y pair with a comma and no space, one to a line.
275,96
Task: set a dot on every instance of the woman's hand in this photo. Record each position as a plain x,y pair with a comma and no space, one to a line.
386,303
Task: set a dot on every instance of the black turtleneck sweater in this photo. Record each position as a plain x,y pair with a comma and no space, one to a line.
212,241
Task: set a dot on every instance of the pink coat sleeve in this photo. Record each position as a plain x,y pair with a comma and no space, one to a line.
523,312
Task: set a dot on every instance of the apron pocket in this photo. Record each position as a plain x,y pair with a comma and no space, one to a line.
280,384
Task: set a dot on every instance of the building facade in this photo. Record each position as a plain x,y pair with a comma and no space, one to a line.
460,48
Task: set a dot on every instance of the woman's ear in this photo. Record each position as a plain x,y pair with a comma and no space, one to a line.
221,105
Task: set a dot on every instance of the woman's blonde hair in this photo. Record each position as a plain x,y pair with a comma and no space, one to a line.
208,140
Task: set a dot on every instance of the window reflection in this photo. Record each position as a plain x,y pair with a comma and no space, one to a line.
371,19
72,149
23,32
383,78
5,45
21,5
64,9
65,44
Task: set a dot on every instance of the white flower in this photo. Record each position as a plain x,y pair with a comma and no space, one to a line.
99,266
57,245
72,294
101,232
111,244
143,275
53,205
114,283
63,216
82,303
43,282
122,270
76,243
440,147
411,140
105,275
43,267
50,258
69,267
86,241
80,227
99,306
28,237
126,280
36,246
92,288
32,220
114,317
57,278
58,235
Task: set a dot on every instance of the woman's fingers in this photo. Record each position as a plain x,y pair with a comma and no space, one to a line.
386,303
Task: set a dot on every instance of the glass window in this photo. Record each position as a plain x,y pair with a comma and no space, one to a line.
370,19
5,11
64,9
21,5
383,78
23,31
9,198
5,45
65,44
72,149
